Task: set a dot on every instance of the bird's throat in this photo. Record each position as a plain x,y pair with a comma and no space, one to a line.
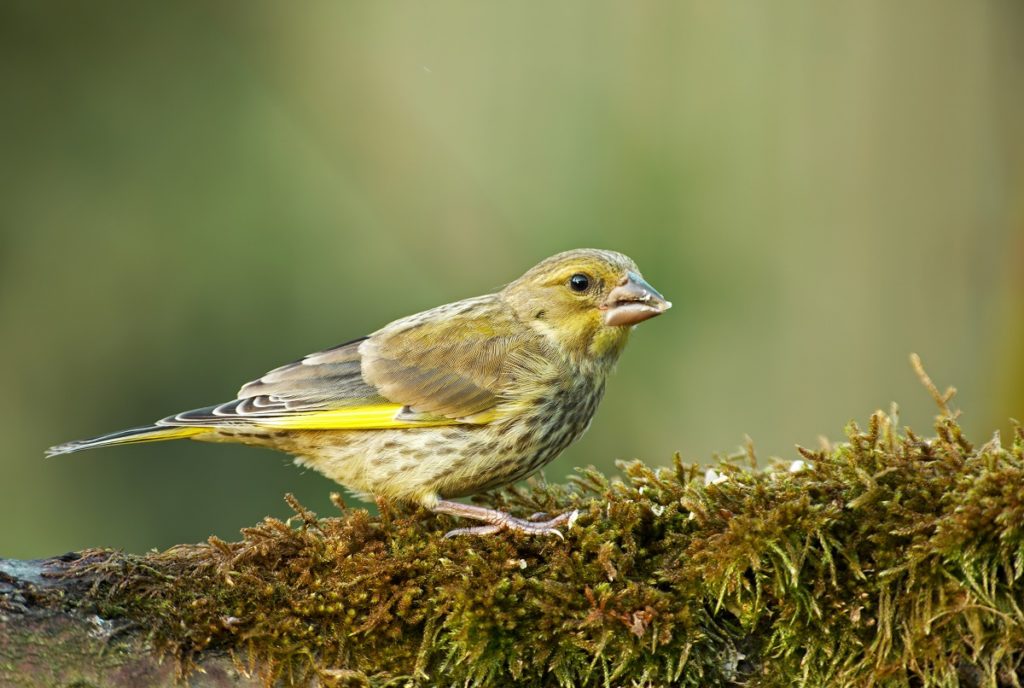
607,344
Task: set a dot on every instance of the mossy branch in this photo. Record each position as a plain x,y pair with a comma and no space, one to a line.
888,559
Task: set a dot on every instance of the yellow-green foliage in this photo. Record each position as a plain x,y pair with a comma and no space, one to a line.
889,560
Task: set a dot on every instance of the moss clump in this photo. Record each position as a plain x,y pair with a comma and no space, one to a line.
888,560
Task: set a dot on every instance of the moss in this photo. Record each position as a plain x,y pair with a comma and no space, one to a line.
889,560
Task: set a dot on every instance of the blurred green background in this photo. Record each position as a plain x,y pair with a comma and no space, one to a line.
195,193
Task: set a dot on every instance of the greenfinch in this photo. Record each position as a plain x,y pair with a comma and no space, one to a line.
446,403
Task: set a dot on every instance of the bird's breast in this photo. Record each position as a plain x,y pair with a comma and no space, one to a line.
547,423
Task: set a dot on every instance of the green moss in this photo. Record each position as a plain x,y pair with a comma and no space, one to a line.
889,560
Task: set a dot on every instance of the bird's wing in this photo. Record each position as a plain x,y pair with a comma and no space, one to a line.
452,361
441,367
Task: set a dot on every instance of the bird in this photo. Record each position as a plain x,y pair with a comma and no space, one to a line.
446,403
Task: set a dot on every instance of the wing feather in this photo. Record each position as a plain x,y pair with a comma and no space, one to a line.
451,361
444,366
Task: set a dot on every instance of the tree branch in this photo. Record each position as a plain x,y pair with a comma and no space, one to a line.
887,558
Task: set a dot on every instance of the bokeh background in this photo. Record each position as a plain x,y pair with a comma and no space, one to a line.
192,194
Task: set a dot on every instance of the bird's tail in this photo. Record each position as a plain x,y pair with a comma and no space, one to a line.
148,433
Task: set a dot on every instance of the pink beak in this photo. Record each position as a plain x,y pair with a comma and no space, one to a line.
632,302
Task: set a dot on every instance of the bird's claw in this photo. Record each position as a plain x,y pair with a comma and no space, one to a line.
477,530
519,525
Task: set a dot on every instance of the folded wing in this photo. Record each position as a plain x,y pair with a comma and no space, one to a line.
441,367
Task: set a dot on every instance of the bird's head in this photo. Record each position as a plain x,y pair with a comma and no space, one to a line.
585,300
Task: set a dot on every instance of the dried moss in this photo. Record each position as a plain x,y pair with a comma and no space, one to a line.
889,560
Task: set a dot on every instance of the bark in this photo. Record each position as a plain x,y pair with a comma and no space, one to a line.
49,639
887,559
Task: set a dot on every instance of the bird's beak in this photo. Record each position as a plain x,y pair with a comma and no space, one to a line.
633,301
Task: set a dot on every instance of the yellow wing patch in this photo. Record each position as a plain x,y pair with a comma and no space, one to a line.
371,417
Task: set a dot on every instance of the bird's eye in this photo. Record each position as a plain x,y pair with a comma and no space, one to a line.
579,282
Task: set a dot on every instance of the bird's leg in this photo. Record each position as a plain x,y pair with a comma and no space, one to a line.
498,520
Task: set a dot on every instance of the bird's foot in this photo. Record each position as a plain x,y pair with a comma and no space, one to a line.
498,521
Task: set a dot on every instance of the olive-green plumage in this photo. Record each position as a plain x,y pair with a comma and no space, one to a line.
448,402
